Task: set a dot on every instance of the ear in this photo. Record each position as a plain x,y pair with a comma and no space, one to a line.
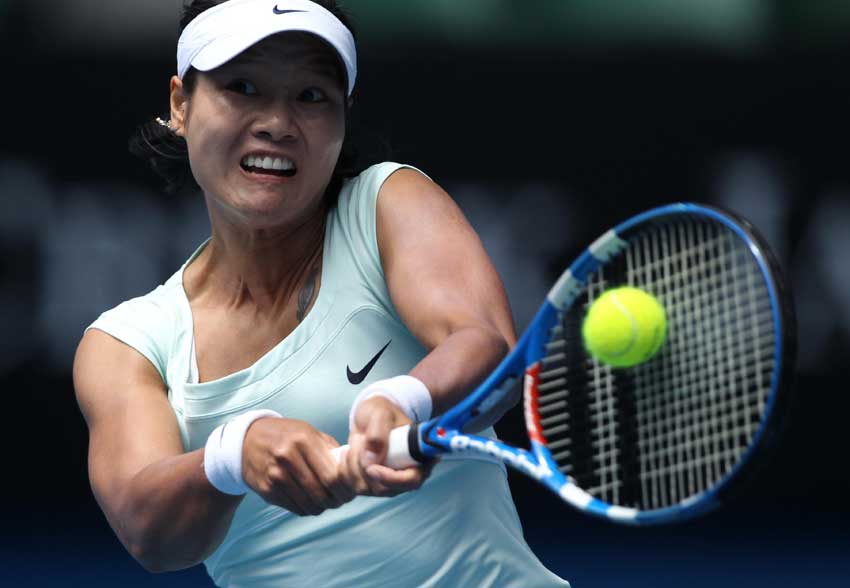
178,107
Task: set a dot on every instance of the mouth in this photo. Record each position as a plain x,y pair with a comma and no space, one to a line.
281,167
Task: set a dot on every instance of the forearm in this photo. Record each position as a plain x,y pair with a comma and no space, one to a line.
169,517
458,364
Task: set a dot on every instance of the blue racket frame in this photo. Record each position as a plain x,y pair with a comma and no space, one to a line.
444,433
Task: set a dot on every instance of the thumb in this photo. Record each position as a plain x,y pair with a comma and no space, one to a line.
376,436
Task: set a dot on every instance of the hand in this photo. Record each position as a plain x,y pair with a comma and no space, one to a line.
368,442
289,464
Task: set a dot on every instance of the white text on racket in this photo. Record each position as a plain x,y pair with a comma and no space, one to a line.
517,460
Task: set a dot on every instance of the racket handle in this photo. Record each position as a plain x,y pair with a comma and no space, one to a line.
398,453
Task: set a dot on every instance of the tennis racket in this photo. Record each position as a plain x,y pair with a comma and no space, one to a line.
670,438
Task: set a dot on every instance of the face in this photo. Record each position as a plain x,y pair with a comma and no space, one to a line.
279,105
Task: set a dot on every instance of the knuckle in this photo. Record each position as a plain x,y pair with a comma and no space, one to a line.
283,452
375,437
300,438
276,476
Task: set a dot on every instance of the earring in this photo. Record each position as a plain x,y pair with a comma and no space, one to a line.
165,123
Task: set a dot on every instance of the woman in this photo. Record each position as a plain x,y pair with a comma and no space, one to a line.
321,310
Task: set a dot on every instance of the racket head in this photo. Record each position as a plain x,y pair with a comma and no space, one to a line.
682,433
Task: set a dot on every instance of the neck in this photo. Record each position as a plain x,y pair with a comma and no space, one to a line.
257,268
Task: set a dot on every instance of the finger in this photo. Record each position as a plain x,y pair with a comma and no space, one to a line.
403,480
353,471
325,483
305,482
376,436
339,485
363,483
285,491
342,490
376,486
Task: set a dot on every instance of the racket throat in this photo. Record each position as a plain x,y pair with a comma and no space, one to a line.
530,404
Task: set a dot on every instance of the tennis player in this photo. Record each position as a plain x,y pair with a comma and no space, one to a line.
327,306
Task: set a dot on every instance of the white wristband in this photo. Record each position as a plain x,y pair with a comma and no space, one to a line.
223,452
408,393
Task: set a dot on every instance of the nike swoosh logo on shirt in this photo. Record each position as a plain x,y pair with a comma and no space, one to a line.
356,378
279,11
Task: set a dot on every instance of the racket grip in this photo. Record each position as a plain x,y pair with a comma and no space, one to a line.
398,453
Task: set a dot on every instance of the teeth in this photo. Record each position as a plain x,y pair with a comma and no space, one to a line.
268,163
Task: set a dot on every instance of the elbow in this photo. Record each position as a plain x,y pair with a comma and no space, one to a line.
150,564
498,347
163,538
146,557
157,550
155,561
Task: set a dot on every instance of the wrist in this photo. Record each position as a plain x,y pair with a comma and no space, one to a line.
406,392
223,452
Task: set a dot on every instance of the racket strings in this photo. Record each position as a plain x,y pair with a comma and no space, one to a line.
686,449
666,430
559,426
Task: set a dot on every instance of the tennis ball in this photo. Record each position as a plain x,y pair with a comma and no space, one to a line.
624,327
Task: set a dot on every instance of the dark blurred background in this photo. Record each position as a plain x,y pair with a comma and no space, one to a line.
548,121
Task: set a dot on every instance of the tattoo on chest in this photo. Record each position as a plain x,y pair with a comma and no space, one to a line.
305,297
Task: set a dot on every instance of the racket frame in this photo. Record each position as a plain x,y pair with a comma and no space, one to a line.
444,434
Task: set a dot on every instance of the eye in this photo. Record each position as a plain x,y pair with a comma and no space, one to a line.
243,87
312,95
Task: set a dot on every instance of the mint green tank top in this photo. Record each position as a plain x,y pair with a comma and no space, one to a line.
459,530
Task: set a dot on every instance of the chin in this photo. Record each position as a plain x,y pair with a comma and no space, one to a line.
271,211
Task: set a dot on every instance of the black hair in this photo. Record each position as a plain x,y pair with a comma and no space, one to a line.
168,155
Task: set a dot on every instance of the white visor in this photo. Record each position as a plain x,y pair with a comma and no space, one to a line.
221,33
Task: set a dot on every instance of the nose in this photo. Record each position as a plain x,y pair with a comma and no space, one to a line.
276,122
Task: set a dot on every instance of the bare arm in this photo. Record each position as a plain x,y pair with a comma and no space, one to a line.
443,285
449,295
156,497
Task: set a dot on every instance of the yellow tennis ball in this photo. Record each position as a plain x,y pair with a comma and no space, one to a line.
624,327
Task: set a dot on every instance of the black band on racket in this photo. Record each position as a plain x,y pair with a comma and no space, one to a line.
413,445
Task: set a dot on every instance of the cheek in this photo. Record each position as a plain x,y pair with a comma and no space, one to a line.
335,135
208,151
201,166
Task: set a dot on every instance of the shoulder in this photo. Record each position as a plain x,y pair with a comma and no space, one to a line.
367,185
146,323
409,186
363,196
411,204
158,303
356,211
